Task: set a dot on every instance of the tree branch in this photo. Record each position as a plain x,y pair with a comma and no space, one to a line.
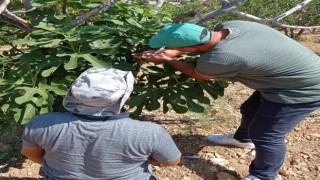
292,10
271,21
159,4
104,6
226,7
27,4
14,17
3,5
203,5
15,23
230,8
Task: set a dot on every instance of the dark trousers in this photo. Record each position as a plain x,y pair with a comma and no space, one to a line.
266,124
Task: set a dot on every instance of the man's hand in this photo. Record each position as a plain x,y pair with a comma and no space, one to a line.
171,53
160,55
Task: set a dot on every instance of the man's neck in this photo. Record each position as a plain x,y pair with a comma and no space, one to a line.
218,36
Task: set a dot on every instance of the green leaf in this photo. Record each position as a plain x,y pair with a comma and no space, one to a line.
48,72
138,111
196,92
165,105
95,62
178,108
125,67
73,62
117,22
222,83
5,107
133,40
22,41
51,43
46,26
29,93
213,90
41,32
37,101
59,89
107,45
193,106
134,23
24,115
155,68
138,100
154,103
28,113
47,104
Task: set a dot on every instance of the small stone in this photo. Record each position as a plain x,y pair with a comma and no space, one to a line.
225,176
185,178
156,168
315,135
294,162
219,161
241,161
279,177
212,169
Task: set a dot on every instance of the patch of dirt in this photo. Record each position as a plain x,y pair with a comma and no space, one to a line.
217,162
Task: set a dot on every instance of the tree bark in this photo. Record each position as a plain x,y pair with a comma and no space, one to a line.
230,8
3,5
105,6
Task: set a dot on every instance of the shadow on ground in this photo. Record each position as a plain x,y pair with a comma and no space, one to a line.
191,145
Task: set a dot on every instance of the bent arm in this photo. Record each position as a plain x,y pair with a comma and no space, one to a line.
168,56
165,151
33,153
188,69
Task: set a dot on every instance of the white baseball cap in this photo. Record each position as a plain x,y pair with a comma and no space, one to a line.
99,92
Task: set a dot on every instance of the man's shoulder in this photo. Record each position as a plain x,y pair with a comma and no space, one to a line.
50,115
143,123
49,118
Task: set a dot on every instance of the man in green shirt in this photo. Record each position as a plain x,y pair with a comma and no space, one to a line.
284,74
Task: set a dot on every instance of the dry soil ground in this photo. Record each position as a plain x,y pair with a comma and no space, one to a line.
217,162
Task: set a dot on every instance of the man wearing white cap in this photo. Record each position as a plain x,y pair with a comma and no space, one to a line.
94,140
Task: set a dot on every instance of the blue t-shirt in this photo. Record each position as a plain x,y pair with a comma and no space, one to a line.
83,149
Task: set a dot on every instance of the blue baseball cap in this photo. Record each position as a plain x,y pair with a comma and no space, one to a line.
179,35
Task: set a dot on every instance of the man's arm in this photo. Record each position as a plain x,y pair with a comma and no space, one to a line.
161,56
172,163
33,153
165,151
188,69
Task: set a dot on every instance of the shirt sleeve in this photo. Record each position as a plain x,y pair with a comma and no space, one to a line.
27,136
165,149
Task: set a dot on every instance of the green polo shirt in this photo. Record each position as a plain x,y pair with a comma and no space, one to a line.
264,59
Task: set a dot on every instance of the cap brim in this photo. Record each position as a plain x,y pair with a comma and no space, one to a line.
73,105
206,38
155,42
